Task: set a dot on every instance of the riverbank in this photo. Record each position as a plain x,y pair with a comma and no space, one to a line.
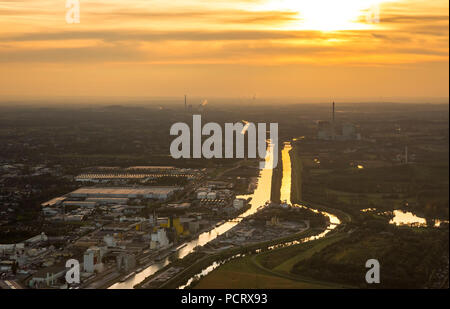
291,179
218,259
271,269
277,176
184,272
203,267
297,169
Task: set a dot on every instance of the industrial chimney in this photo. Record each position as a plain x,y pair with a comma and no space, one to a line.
333,112
333,125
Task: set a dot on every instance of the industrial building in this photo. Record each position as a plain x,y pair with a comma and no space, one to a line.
47,277
325,130
160,193
202,195
92,261
328,130
239,203
54,202
159,239
106,201
109,174
125,262
80,204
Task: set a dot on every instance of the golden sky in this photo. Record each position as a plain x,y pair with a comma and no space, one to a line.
233,48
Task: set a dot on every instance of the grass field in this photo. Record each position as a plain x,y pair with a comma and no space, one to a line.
273,269
297,168
269,270
287,265
244,274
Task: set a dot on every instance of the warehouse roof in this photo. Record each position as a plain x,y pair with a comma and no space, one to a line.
125,190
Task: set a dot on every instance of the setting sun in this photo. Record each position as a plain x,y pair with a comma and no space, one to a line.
328,15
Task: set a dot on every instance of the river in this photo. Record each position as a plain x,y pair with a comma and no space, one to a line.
285,196
259,198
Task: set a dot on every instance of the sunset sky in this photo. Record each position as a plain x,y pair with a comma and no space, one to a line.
233,48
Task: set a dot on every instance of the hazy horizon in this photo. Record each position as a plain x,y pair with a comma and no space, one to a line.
262,48
212,100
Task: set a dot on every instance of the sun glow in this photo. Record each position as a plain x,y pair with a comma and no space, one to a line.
329,15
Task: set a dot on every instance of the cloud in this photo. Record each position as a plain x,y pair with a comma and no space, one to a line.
402,19
70,55
219,16
134,33
264,48
152,36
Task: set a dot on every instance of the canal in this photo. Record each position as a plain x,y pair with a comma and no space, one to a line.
260,196
285,194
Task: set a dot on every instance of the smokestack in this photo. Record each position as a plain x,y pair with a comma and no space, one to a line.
333,112
333,124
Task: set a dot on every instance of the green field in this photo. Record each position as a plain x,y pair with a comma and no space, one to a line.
297,169
243,273
409,257
270,269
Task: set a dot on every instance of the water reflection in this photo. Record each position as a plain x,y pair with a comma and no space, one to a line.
408,218
209,269
334,222
285,191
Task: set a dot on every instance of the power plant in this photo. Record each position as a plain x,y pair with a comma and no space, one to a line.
327,130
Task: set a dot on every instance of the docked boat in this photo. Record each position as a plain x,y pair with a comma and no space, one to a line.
125,278
179,247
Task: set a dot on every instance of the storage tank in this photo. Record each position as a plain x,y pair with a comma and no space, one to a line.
211,196
238,203
201,195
